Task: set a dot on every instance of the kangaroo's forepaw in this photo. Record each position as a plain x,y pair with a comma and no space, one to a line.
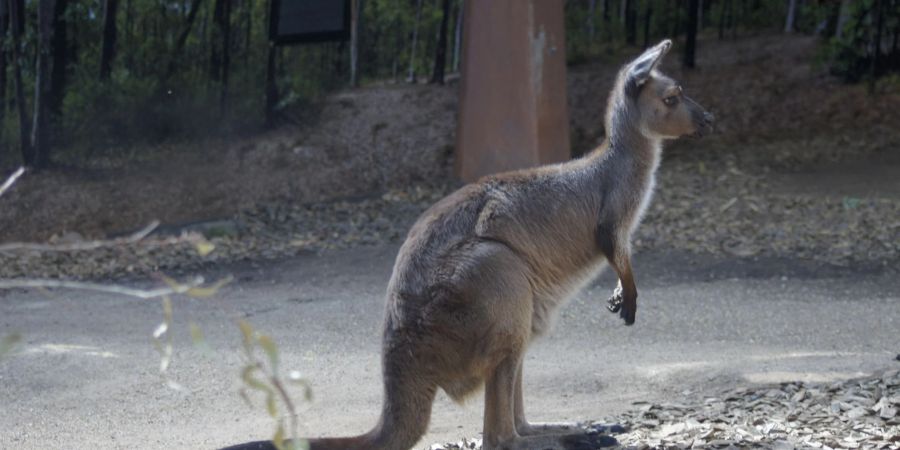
615,301
626,308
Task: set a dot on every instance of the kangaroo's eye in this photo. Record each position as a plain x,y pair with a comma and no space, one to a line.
671,100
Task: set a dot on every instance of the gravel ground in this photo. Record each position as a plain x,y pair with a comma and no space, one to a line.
854,414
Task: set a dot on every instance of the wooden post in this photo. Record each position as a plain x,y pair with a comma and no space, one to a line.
513,111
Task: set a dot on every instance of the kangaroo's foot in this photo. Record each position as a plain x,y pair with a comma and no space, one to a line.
576,441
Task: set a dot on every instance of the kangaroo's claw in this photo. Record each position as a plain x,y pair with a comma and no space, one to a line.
615,302
618,304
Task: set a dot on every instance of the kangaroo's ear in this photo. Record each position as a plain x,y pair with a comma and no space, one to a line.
639,69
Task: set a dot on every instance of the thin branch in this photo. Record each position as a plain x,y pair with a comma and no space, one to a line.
12,179
96,287
89,245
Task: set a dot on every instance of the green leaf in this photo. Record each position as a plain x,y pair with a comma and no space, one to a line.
271,405
247,332
8,342
245,397
204,247
278,438
208,291
199,339
271,350
250,380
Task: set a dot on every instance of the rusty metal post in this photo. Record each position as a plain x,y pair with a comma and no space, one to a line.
513,111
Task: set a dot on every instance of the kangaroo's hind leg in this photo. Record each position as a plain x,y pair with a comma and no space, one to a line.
525,428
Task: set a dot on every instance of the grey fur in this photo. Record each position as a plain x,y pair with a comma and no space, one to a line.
483,271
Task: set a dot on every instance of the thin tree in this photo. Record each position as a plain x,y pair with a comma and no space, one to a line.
60,51
226,57
630,22
706,12
215,33
182,38
591,26
17,20
876,55
356,18
415,42
220,59
457,35
4,30
700,17
647,16
41,129
843,15
690,44
108,48
271,86
248,30
726,5
440,53
789,20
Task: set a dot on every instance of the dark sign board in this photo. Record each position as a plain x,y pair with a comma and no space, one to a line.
298,21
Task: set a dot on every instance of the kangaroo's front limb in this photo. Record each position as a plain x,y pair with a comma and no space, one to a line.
624,298
614,245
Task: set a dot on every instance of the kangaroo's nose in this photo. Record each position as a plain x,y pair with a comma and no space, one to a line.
709,118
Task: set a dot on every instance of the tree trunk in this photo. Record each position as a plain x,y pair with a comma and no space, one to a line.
591,27
676,20
217,31
705,12
648,14
16,14
789,21
41,128
411,77
440,54
248,30
225,25
700,15
271,86
878,11
457,37
843,14
631,22
354,42
690,44
4,30
722,19
60,51
734,18
108,49
182,38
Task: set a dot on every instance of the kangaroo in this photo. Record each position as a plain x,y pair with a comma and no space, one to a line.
483,271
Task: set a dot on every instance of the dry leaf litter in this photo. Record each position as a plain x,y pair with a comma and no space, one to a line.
854,414
718,209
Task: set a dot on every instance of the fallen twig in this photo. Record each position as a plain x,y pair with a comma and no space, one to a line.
12,179
75,246
112,289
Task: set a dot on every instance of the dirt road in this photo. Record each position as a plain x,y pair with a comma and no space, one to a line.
86,376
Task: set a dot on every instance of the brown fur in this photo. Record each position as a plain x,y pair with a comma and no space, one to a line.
484,270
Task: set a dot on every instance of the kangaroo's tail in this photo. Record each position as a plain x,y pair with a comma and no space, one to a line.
405,414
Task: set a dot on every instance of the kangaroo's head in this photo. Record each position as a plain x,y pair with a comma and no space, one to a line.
656,102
